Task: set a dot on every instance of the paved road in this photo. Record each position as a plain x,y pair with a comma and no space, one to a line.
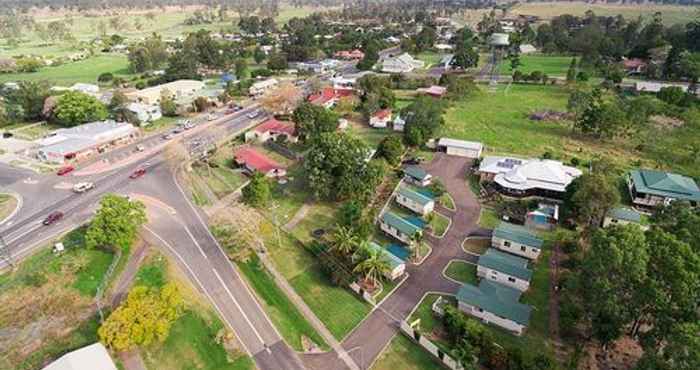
367,341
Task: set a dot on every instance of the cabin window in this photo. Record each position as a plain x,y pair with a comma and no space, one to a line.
512,280
506,244
522,248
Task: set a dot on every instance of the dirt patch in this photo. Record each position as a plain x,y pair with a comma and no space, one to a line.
666,122
623,354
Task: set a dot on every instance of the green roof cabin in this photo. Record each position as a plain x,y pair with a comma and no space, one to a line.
415,200
651,188
398,227
396,265
517,240
505,269
496,304
417,176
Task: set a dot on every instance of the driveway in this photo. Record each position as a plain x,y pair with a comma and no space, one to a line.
368,340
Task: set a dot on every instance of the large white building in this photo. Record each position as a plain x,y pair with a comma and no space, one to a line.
145,113
496,304
505,269
84,140
403,63
180,90
261,87
92,357
526,177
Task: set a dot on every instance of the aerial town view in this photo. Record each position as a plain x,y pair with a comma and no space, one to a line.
349,185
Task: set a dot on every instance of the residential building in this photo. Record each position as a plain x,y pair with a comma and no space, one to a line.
84,88
392,40
527,49
84,140
415,201
545,217
622,216
329,96
271,130
403,63
444,47
634,66
460,148
517,240
499,39
417,176
145,113
528,177
380,119
435,91
651,188
398,124
399,227
92,357
178,90
656,86
355,54
254,161
397,266
496,304
261,87
446,61
505,269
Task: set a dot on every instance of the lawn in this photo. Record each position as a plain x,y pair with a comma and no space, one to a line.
489,218
446,201
430,324
287,198
439,224
371,136
221,181
161,124
33,131
338,308
287,319
462,271
403,354
477,246
318,216
550,65
83,71
8,203
429,57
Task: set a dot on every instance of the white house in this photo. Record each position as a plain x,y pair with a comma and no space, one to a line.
397,266
496,304
415,201
417,176
261,87
272,129
179,90
656,86
527,49
398,227
403,63
92,357
84,88
460,148
651,188
517,240
399,123
145,113
622,216
505,269
528,177
380,119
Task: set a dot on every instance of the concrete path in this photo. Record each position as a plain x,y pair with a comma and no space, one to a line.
307,312
132,360
121,289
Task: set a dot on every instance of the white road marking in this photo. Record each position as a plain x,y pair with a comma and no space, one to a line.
255,331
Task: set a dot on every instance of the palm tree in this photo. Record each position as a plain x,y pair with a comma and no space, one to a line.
362,251
343,241
373,268
416,241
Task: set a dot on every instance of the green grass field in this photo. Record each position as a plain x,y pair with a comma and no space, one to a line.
83,71
430,324
488,219
405,355
439,224
462,271
8,204
287,319
550,65
670,14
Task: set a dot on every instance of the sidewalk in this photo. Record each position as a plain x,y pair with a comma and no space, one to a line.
306,311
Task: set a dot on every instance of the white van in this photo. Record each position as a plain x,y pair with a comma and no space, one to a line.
82,187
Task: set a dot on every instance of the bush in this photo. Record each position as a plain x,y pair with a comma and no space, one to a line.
140,85
575,161
105,77
391,148
263,72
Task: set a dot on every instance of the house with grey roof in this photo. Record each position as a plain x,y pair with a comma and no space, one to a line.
145,113
397,266
414,200
495,304
651,188
417,176
517,240
528,177
403,63
460,148
505,269
83,140
399,227
622,216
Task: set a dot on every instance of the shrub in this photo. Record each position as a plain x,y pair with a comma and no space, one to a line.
105,77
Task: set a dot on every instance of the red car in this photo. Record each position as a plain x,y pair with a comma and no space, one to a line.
53,217
65,170
138,173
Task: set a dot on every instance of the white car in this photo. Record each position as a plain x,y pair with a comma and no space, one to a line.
211,117
82,187
253,114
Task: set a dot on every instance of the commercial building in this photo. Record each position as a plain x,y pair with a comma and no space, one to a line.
84,140
651,188
180,90
496,304
517,240
145,113
505,269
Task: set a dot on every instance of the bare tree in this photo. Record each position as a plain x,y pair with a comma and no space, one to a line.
282,100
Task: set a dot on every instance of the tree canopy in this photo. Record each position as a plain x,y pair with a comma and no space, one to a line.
116,223
74,108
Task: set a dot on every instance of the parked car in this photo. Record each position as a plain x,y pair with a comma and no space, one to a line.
253,114
178,130
168,136
65,170
53,217
82,187
211,117
140,148
138,173
189,125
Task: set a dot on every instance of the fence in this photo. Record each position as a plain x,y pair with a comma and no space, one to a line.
355,287
416,336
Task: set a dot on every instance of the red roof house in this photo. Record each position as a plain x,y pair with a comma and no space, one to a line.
350,55
634,65
271,129
254,161
380,119
329,96
434,91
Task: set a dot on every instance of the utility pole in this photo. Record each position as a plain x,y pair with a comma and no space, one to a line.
5,252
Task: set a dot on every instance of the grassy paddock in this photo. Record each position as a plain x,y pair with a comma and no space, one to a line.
405,355
550,65
670,14
83,71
